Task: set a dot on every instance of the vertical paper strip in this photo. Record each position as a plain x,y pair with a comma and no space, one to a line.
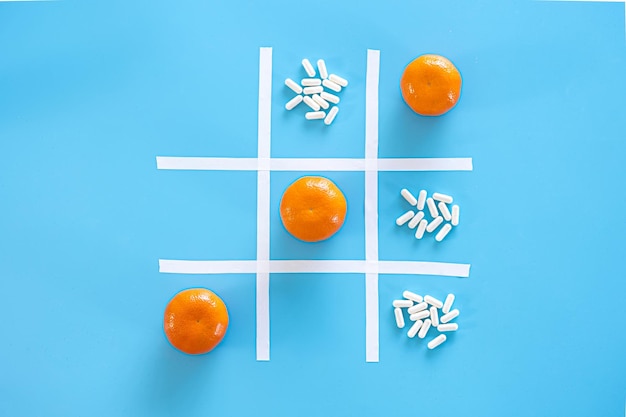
371,204
263,207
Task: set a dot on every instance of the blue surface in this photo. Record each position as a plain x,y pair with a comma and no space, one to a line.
91,92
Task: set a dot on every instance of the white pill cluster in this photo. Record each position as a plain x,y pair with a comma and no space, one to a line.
437,207
424,313
312,92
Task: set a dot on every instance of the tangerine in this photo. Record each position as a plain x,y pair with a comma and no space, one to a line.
313,208
195,321
431,85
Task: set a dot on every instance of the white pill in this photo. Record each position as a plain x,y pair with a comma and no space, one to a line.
437,341
448,327
432,208
331,115
293,85
421,199
308,67
330,97
413,330
447,304
450,316
443,232
420,315
433,301
338,80
417,308
405,217
321,67
442,197
455,215
293,102
416,219
402,303
314,115
310,82
313,90
412,296
399,317
434,316
424,329
434,224
421,228
443,208
309,102
323,103
331,85
410,198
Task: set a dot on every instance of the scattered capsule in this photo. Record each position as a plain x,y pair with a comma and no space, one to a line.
314,115
434,316
293,85
330,97
421,228
400,221
443,208
442,197
331,116
447,304
412,296
437,341
308,67
419,315
421,199
432,208
417,307
455,215
443,232
450,316
413,330
309,102
321,67
410,198
448,327
313,90
434,224
402,303
338,80
424,329
323,103
399,317
293,102
433,301
416,219
310,82
331,85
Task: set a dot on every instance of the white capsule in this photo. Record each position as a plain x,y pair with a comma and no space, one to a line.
416,219
330,97
309,102
443,232
434,316
450,316
310,82
434,224
421,199
399,317
448,327
413,330
432,208
421,228
410,198
323,103
442,197
433,301
338,80
331,115
308,67
331,85
424,329
420,315
417,308
405,218
293,85
443,208
293,102
314,115
321,67
455,215
412,296
437,341
313,90
447,304
402,303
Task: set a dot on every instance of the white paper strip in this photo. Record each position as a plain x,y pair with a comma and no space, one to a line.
425,164
262,316
317,164
371,318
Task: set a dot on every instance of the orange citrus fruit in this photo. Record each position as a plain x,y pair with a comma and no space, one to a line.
313,208
431,85
195,321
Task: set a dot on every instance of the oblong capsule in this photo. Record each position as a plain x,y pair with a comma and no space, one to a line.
402,303
323,103
442,197
447,303
413,330
437,341
314,115
450,316
424,329
417,307
331,115
321,67
308,67
310,82
412,296
400,221
432,208
421,199
443,232
331,85
338,80
399,317
434,316
448,327
416,219
313,90
312,104
445,212
420,315
434,224
455,215
293,102
433,301
330,97
293,85
421,228
410,198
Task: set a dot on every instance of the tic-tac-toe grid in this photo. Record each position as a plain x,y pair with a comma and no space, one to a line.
263,164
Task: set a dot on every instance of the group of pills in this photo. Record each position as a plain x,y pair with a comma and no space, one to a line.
424,313
311,91
439,212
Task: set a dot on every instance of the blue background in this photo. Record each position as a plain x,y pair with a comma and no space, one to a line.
91,92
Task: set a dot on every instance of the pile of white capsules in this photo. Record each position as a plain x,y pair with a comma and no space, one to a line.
311,92
438,210
425,317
